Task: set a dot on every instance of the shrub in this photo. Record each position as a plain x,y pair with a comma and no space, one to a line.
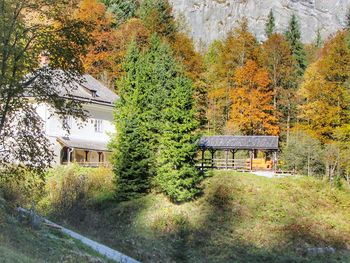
304,154
22,188
71,186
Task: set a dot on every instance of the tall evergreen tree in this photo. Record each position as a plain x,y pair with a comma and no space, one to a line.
293,36
132,152
155,110
122,9
177,175
318,40
270,24
172,123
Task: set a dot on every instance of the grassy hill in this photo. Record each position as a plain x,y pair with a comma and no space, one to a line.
19,243
239,218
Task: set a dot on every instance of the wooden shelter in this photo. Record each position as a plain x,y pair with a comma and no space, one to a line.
231,144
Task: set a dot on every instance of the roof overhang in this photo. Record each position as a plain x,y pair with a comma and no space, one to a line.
229,142
83,144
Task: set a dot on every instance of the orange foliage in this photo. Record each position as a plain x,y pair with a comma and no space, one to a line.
186,54
108,47
252,109
100,56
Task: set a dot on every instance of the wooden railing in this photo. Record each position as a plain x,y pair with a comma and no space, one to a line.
90,164
235,164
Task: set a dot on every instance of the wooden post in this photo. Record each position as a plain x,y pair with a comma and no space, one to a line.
86,156
226,163
233,158
251,159
212,158
203,155
275,161
70,152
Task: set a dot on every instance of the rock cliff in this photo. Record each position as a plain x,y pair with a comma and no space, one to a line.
207,20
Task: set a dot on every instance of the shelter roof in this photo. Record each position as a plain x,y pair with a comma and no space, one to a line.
230,142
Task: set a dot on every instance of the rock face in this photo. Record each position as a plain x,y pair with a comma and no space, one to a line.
208,20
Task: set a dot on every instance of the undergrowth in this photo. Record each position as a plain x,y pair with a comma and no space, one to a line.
239,218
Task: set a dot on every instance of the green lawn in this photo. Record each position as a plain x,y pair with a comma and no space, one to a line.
239,218
19,243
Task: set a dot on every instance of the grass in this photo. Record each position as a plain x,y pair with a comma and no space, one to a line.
19,243
239,218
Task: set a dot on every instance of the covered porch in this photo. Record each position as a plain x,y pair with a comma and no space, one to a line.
243,153
84,153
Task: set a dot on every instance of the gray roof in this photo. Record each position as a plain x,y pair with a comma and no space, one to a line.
83,144
230,142
91,90
84,88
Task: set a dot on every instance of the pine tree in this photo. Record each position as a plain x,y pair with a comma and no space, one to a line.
270,24
293,36
177,175
122,9
171,122
318,40
132,152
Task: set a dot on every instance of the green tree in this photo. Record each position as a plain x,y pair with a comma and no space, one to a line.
132,152
293,36
304,154
318,40
122,9
270,24
177,175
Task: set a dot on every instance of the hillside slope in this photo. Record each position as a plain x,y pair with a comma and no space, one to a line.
208,20
240,218
19,243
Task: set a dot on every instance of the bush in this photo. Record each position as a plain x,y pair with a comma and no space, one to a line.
304,154
71,186
22,188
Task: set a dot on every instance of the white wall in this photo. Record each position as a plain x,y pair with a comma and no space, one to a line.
83,131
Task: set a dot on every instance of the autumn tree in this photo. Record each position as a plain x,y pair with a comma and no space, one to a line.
216,89
252,111
193,65
157,17
325,90
239,47
30,29
278,60
270,24
101,56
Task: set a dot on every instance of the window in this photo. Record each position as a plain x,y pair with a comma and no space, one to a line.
98,126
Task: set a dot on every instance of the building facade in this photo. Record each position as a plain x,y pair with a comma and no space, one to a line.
85,143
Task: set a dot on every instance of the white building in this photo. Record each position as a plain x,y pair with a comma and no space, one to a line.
85,143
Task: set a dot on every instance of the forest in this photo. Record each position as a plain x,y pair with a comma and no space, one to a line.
239,86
